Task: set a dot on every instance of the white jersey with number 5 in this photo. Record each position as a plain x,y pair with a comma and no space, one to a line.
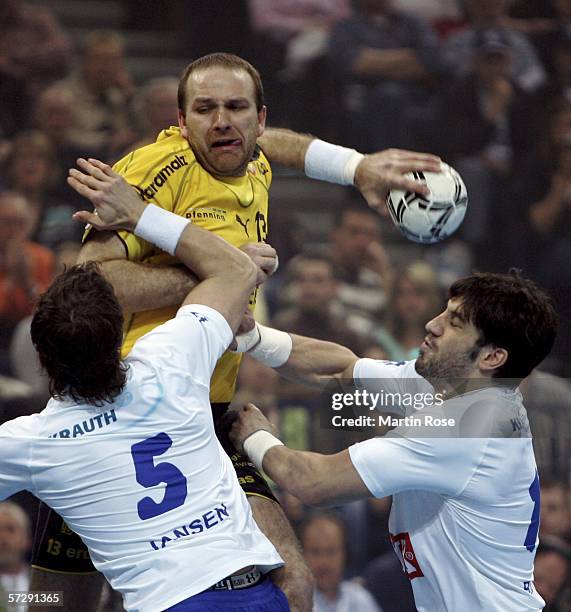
144,480
465,512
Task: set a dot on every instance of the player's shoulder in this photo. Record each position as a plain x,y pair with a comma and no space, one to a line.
170,152
493,412
194,324
260,167
27,426
375,368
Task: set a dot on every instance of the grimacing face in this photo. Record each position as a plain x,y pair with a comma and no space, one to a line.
449,349
221,122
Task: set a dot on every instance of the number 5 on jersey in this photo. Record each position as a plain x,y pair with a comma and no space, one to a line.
149,475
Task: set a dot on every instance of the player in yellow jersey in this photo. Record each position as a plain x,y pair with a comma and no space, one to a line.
167,173
211,170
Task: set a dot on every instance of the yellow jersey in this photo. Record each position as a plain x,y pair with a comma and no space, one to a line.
167,174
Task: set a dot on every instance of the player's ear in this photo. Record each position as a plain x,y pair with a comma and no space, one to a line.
262,114
491,358
182,124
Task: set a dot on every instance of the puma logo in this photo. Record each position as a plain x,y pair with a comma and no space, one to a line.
244,225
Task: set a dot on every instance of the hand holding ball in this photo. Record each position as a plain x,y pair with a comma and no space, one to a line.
432,218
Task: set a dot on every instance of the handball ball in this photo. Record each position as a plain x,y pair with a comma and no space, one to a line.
432,218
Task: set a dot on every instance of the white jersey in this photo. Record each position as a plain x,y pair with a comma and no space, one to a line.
144,481
465,512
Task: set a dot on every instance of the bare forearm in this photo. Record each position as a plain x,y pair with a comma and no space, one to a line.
317,480
285,147
399,64
297,472
313,360
141,286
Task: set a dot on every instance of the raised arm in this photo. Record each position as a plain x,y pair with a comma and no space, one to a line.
298,358
138,286
317,480
373,175
227,275
142,286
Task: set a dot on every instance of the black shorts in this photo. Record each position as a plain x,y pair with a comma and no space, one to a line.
58,549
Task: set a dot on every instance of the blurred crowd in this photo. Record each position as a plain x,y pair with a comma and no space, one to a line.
486,84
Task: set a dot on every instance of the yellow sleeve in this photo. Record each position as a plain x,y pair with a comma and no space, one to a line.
140,168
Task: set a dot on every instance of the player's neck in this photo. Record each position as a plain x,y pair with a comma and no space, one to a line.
461,386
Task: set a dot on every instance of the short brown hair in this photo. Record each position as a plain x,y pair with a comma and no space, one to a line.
224,60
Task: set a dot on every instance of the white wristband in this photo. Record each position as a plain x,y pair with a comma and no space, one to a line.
273,348
161,227
256,445
331,163
247,340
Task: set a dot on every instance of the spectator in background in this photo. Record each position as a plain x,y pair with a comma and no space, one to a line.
482,125
526,70
559,85
323,538
296,34
54,116
156,107
33,46
537,208
415,298
14,103
444,16
555,518
384,60
546,24
361,267
552,571
547,400
32,171
104,89
314,313
24,360
369,520
26,268
15,543
386,579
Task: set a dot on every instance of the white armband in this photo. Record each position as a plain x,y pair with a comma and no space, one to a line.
247,340
331,163
270,346
256,445
161,227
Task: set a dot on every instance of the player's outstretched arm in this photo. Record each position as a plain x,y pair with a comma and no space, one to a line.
227,274
301,359
317,480
138,286
141,286
373,175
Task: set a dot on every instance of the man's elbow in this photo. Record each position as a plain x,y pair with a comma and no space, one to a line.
311,493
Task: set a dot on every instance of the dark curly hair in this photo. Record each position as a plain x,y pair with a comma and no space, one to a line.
77,330
510,312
